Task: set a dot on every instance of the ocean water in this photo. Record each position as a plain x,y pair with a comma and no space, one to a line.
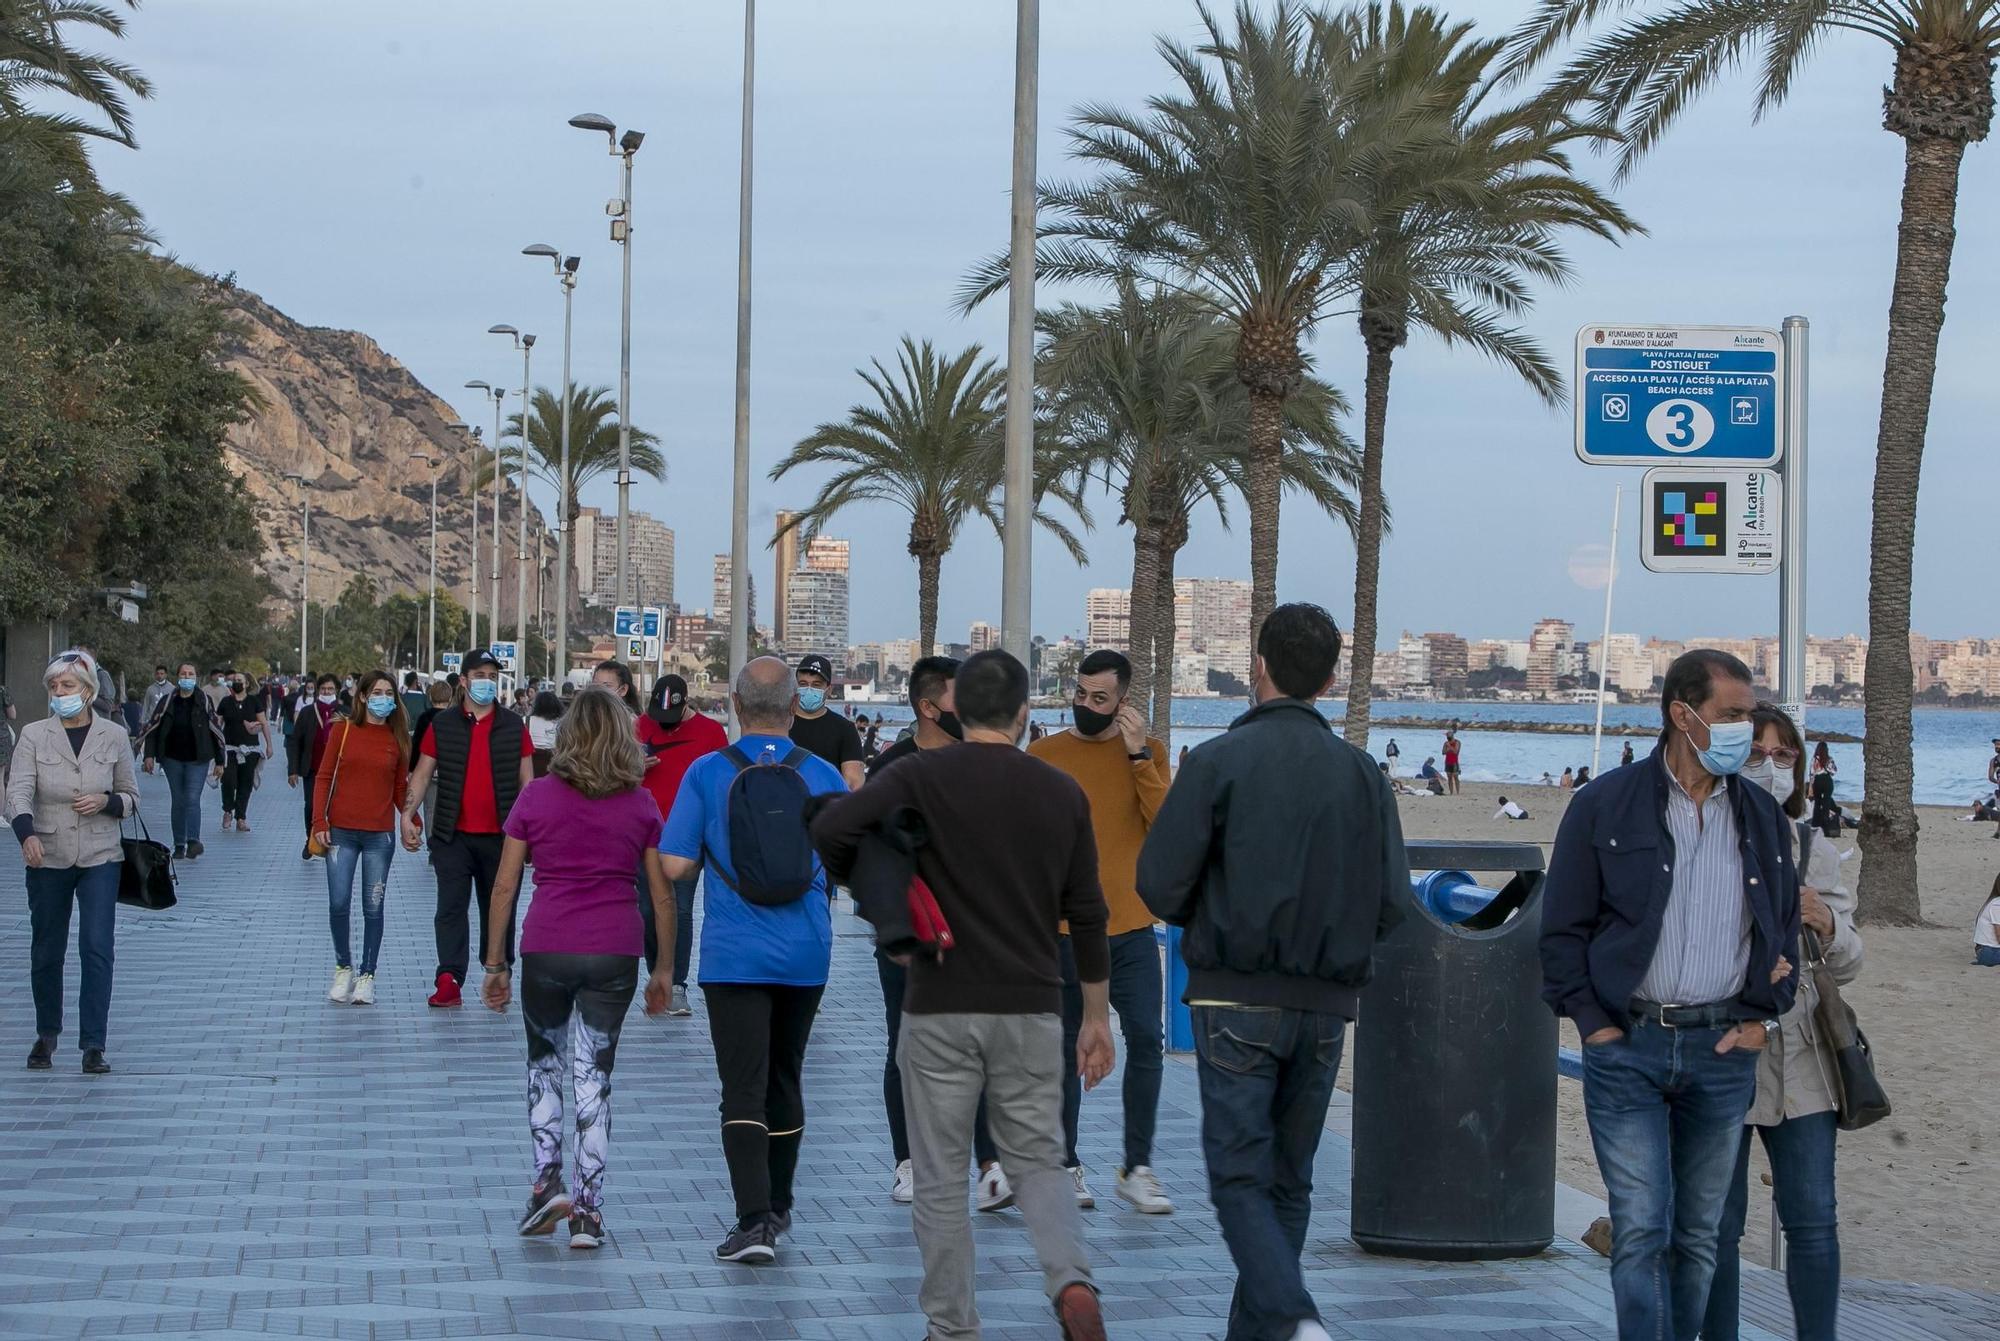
1952,747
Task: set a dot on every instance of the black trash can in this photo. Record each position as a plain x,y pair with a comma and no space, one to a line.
1455,1067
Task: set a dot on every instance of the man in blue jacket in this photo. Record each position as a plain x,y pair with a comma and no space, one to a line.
1669,927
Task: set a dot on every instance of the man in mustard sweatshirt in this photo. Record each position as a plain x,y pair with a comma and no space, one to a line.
1124,773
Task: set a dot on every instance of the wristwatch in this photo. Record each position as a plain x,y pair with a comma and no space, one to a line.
1145,754
1770,1027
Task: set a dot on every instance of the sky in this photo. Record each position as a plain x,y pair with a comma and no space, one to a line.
378,166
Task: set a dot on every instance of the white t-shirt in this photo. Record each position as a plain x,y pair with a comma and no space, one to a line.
1986,928
542,733
1512,810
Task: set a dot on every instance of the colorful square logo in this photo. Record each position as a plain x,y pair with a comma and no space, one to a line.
1690,517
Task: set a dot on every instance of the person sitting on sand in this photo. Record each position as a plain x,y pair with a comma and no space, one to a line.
1568,779
1986,930
1582,776
1547,780
1432,779
1509,810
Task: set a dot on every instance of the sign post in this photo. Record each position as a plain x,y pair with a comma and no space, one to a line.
1792,689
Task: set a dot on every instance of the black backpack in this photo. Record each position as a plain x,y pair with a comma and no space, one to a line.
768,840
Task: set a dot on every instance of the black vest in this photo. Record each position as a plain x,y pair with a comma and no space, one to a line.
452,730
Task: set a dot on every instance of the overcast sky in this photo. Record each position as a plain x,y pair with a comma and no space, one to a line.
378,166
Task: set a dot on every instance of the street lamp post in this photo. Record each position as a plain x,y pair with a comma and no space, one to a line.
526,344
493,574
1018,497
305,561
739,510
565,267
431,656
623,147
472,608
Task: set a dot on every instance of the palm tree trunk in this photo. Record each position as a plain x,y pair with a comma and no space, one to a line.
1368,539
1164,637
928,568
1147,680
1888,893
1267,444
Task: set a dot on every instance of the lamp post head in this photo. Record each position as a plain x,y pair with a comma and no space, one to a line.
543,249
527,342
570,263
478,386
592,121
630,141
501,330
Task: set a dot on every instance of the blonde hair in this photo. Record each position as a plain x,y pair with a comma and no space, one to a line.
440,694
597,749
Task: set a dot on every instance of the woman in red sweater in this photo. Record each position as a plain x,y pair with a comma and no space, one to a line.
363,780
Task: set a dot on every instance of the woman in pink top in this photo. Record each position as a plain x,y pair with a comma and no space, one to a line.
587,826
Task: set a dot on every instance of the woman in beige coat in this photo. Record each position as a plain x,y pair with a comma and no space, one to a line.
71,784
1794,1111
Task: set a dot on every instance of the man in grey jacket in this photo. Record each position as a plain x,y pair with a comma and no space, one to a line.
1280,852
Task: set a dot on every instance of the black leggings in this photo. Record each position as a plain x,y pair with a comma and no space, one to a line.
760,1032
239,779
574,1005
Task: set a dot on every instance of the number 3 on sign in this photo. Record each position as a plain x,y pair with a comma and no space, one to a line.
1680,426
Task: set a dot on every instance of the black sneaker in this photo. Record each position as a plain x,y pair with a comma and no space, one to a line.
42,1056
780,1222
195,849
586,1228
94,1063
548,1203
752,1244
180,851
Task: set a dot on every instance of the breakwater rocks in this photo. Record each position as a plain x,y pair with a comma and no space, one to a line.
1442,724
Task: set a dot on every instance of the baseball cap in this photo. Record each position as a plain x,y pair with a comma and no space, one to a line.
673,691
815,664
476,658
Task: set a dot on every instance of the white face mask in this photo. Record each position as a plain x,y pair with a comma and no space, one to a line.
1771,778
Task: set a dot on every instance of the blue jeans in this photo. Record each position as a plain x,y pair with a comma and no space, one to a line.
683,925
1136,996
1266,1077
1801,1154
94,890
184,783
1989,955
372,851
1666,1118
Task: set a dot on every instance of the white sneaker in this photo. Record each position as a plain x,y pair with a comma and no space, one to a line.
1311,1331
1139,1189
1085,1198
364,990
677,1003
995,1192
905,1190
342,990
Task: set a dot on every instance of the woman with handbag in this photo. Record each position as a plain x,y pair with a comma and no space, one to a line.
363,781
305,751
70,785
1796,1113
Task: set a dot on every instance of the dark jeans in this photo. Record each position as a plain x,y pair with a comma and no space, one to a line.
94,889
466,864
184,781
683,926
239,779
1666,1119
1801,1154
895,979
760,1031
1136,996
1266,1078
1987,955
372,851
573,1007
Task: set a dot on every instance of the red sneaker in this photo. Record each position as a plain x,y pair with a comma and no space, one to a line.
447,990
1078,1315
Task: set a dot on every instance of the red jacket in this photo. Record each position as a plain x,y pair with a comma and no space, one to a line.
670,749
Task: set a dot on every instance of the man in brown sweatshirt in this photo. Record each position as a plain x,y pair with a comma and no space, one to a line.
1010,857
1124,775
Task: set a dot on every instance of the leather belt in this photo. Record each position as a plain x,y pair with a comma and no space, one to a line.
1714,1015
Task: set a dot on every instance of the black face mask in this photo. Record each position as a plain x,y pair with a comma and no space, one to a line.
948,723
1090,722
666,716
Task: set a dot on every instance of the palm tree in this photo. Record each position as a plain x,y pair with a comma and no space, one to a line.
593,443
1245,189
1458,229
930,443
1940,99
1143,396
37,58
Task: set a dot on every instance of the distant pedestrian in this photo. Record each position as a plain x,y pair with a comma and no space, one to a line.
246,740
827,734
1670,925
1825,810
985,1017
319,709
184,737
1393,753
436,698
156,692
1625,758
544,719
355,799
524,702
617,677
415,700
1452,746
69,788
673,735
1280,852
586,827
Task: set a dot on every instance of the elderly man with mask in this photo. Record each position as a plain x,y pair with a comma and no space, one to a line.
673,736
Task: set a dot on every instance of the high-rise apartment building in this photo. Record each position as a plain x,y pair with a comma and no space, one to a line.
1212,616
1549,654
719,606
983,637
1449,661
816,616
785,559
1107,618
594,552
1411,666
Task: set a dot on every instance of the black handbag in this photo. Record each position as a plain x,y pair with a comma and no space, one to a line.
146,879
1859,1098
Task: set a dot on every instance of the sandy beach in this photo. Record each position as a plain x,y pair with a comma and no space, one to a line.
1916,1190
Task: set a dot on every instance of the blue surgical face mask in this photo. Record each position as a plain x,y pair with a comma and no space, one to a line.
812,700
482,691
65,706
186,682
381,705
1728,746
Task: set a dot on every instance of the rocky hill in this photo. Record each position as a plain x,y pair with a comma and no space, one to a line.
334,407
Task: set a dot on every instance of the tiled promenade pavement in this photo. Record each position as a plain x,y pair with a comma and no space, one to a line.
263,1163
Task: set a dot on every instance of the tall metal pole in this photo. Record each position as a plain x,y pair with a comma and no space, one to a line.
1792,686
521,500
305,571
562,494
739,513
472,609
1019,495
1604,648
434,572
493,584
625,391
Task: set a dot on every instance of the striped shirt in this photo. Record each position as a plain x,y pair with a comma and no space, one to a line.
1704,948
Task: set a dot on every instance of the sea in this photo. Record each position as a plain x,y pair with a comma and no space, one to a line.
1952,746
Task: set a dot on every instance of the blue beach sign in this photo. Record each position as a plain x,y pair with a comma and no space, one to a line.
1652,395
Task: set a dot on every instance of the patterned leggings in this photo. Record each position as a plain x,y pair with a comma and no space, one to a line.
574,1005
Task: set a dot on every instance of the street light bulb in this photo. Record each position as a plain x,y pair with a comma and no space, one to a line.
479,386
501,330
592,121
541,249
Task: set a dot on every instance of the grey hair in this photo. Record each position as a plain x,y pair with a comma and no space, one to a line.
765,702
79,661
